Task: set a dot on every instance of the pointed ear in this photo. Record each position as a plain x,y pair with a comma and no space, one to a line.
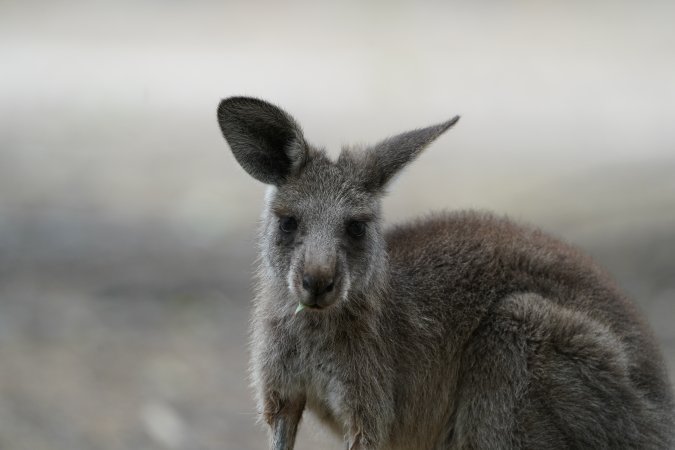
387,158
265,140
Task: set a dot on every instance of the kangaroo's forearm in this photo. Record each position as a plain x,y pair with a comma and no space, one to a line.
283,417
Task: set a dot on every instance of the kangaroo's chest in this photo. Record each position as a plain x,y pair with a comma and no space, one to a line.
325,399
320,370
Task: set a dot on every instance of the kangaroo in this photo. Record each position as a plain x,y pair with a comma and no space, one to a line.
461,330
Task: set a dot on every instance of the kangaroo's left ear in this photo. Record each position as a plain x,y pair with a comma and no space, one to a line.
266,141
387,158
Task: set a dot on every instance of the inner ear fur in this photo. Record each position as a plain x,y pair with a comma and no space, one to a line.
265,140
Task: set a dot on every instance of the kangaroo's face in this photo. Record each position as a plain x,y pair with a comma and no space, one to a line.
322,232
321,229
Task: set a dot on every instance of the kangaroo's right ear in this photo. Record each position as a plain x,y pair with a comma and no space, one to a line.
386,159
265,140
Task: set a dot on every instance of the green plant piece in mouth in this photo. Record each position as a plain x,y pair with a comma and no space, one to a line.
299,308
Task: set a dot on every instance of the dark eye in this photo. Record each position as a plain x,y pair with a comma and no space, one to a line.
288,224
356,228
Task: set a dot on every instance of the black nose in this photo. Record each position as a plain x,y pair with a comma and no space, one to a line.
317,285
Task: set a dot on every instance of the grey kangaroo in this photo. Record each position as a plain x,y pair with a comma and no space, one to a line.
458,331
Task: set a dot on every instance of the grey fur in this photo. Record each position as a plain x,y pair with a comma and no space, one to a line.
459,331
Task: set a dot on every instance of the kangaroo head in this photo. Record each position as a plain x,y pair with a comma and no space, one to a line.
321,234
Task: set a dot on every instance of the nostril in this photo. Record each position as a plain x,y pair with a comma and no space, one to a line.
307,282
317,285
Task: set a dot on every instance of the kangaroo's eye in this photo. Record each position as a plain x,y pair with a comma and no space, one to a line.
356,228
288,224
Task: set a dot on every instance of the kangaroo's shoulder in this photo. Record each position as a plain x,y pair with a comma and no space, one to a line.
475,232
487,253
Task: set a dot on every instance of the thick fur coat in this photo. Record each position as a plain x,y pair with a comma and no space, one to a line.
457,331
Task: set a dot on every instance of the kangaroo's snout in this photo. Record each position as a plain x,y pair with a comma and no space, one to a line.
319,278
318,290
317,284
318,287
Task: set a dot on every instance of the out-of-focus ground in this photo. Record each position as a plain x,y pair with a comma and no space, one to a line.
127,231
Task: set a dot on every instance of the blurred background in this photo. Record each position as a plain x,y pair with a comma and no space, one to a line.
127,230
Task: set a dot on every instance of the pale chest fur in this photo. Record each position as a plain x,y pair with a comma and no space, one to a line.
309,363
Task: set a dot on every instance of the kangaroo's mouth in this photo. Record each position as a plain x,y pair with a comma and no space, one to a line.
302,306
317,302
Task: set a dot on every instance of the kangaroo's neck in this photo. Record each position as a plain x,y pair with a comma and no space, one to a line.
368,296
